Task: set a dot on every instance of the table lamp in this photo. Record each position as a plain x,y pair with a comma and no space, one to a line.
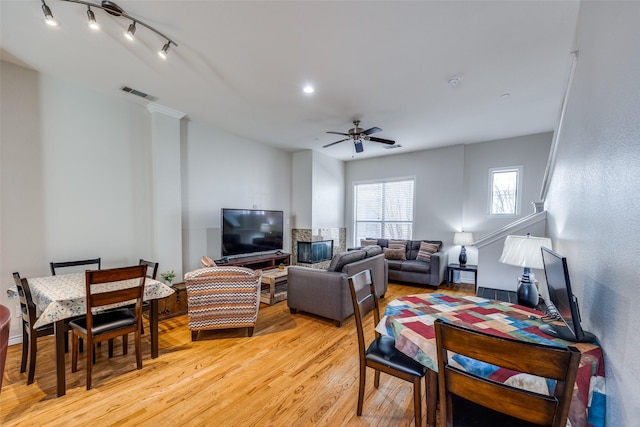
524,251
463,238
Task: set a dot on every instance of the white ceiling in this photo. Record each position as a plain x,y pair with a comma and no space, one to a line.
241,65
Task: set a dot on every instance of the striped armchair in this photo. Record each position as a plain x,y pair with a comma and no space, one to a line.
222,297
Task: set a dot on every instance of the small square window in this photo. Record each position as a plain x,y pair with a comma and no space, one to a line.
504,191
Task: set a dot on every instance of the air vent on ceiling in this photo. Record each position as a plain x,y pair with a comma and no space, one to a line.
391,147
138,93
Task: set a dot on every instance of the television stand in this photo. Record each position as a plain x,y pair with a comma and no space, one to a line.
259,262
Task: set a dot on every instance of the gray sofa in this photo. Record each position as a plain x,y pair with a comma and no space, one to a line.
326,292
411,270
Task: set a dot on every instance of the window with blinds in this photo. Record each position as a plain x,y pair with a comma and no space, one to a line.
383,210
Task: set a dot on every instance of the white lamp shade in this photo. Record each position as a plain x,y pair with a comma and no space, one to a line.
524,251
463,238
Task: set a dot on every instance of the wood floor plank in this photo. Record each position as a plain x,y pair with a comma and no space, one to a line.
296,370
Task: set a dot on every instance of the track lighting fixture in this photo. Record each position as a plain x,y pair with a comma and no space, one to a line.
112,9
48,16
92,19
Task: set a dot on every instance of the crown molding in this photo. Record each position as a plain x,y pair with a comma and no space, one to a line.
157,108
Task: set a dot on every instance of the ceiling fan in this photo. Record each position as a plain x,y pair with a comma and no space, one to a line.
358,135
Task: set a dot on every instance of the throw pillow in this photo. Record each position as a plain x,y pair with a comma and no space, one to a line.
368,242
398,244
205,261
425,251
397,254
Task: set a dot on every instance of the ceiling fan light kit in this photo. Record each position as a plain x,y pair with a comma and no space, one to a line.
357,134
112,9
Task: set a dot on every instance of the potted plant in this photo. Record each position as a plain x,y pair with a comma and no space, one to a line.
168,277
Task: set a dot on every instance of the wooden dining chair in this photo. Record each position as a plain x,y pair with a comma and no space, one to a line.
103,326
152,273
30,334
467,398
55,266
381,355
152,268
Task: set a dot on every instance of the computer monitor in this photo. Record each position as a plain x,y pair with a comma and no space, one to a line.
562,300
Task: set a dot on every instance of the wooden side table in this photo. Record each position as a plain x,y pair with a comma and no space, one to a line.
275,282
173,305
467,267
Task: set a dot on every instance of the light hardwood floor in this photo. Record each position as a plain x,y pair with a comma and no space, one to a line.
296,370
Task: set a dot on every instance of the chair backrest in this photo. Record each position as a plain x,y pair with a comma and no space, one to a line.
223,297
100,292
27,306
56,265
363,296
556,363
152,268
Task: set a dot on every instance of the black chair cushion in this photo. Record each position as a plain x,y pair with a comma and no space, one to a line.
469,414
383,350
107,321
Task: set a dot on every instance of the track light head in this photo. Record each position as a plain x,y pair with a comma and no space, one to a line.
48,16
129,34
165,49
93,24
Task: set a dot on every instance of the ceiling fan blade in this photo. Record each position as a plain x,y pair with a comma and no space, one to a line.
384,141
338,133
334,143
372,130
358,144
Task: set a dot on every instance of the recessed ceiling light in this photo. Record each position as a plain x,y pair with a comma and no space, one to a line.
308,89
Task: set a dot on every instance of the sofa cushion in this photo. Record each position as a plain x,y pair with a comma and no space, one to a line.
381,242
341,259
372,250
414,247
368,242
397,254
425,251
415,266
394,264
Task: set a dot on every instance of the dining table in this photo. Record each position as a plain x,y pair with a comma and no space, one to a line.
63,296
410,320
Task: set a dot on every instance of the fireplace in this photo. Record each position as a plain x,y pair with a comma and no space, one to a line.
314,252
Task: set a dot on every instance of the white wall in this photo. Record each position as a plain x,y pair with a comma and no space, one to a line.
593,200
302,190
438,188
226,171
75,177
328,192
530,152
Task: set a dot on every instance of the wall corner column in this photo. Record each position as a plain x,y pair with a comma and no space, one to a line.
167,188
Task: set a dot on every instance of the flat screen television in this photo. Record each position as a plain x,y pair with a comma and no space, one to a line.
250,231
564,305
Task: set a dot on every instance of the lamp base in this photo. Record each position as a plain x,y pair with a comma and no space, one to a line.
462,259
528,294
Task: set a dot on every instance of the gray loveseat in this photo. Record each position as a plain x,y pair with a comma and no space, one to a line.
326,292
431,273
